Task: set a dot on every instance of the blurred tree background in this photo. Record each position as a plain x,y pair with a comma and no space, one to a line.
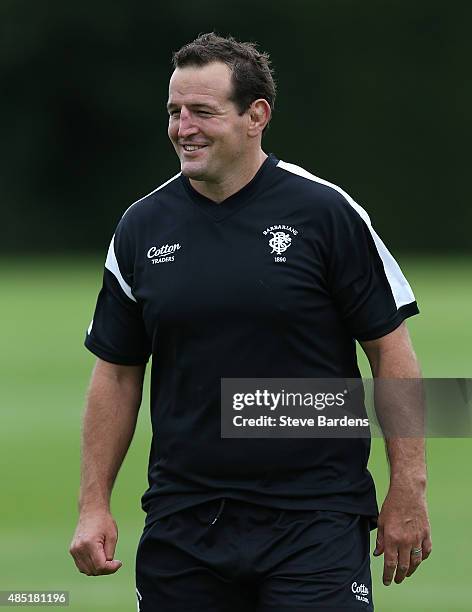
374,96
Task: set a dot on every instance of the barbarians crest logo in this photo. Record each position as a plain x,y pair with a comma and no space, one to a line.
279,240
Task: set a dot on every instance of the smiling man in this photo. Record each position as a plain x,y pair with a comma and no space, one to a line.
217,144
244,266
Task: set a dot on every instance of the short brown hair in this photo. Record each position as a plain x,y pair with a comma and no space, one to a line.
252,74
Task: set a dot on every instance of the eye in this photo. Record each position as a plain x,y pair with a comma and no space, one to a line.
173,113
204,113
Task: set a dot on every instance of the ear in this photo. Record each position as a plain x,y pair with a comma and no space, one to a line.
259,116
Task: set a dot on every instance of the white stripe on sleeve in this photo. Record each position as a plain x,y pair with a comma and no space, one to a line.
112,264
400,287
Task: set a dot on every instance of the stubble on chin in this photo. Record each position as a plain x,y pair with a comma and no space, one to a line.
195,173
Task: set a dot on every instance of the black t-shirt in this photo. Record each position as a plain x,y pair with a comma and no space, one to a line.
276,281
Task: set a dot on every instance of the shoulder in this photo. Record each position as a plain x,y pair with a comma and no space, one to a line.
138,212
324,196
137,218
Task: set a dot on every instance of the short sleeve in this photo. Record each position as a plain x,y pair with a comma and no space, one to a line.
117,333
368,287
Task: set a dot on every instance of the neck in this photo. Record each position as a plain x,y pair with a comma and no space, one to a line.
223,189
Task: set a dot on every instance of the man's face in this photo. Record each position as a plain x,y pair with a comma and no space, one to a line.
204,126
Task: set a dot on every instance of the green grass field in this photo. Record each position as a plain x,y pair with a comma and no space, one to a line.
45,307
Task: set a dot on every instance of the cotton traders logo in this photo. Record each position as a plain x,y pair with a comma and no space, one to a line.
279,240
360,592
162,254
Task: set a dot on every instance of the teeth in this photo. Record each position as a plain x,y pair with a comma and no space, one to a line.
192,147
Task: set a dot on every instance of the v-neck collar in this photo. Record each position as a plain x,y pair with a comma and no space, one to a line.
221,210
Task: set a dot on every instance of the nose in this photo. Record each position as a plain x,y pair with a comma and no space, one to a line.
187,126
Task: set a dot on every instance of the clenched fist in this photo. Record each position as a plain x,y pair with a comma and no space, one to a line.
94,542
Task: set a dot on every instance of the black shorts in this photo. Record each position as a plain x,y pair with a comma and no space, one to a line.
232,556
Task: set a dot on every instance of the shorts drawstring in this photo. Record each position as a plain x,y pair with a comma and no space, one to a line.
220,510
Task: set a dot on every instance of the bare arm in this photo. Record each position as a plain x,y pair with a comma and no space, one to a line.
109,422
403,521
393,357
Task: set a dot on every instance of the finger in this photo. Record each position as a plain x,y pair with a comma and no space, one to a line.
110,545
100,564
379,543
415,562
81,559
109,567
80,564
390,562
416,557
404,560
427,547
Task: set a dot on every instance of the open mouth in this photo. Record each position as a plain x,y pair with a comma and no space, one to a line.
192,148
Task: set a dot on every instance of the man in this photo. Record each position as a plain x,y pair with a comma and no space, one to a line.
243,265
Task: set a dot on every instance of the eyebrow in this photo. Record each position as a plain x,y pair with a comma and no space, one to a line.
172,105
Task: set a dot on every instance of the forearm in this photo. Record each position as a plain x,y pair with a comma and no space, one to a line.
109,422
400,405
406,457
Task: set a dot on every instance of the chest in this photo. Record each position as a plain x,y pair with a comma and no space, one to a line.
261,266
